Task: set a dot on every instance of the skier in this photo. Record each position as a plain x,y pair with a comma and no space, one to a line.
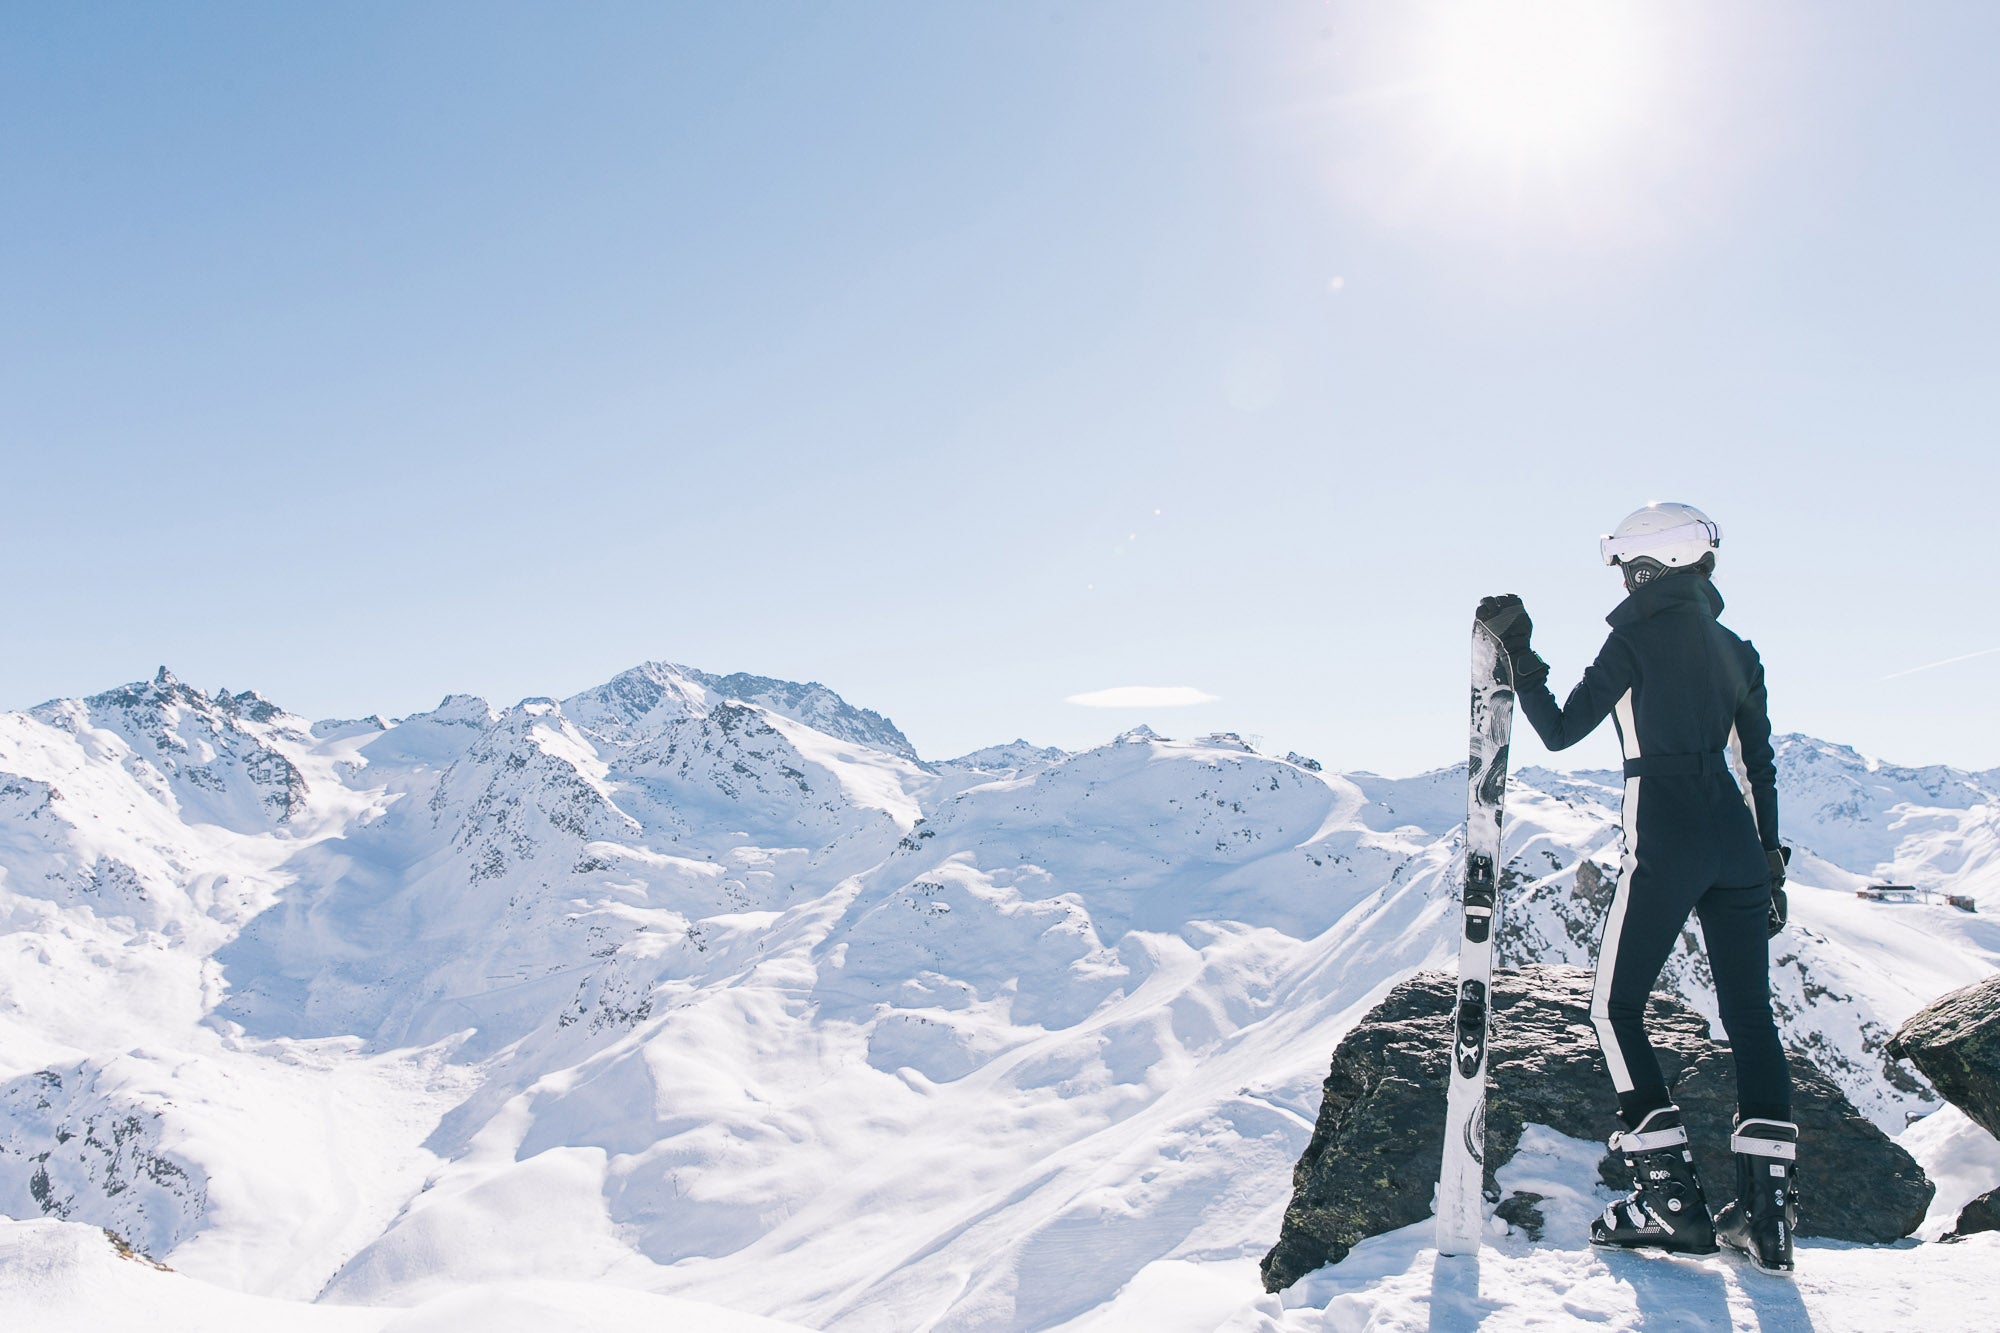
1680,687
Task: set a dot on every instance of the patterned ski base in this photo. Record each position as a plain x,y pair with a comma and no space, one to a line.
1460,1217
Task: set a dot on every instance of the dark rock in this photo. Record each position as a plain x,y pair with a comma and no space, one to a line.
1955,1043
1982,1214
1518,1209
1372,1163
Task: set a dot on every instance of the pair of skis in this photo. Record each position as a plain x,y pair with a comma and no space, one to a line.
1461,1178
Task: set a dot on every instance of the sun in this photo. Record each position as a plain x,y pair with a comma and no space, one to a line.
1527,81
1585,125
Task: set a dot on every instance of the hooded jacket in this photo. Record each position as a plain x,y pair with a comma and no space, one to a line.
1679,687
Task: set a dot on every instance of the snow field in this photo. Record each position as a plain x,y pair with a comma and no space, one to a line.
59,1277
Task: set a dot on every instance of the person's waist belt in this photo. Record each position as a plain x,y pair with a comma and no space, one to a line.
1677,765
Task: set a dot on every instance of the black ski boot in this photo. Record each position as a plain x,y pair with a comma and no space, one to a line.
1666,1210
1760,1220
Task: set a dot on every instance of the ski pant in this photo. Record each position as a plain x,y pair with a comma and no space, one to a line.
1690,847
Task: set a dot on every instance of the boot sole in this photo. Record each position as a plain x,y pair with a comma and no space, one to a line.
1650,1248
1751,1260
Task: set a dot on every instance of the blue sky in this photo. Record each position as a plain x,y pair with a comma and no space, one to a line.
968,357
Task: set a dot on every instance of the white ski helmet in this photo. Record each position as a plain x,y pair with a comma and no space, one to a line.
1673,535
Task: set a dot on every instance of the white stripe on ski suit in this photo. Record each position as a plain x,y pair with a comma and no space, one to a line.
1743,777
1614,920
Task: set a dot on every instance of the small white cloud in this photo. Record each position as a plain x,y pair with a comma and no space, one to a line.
1143,696
1336,284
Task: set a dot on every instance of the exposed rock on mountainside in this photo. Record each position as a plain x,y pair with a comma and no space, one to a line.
640,699
1373,1159
70,1147
815,705
204,751
1956,1042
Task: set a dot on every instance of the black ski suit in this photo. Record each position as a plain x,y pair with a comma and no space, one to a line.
1679,688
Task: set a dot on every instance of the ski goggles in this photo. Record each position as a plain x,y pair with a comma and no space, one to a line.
1615,548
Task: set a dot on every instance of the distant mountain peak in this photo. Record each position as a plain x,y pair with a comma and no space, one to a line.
463,710
624,704
250,705
198,744
640,698
1015,758
813,704
164,688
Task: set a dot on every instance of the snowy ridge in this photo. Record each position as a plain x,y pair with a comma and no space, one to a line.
656,690
707,985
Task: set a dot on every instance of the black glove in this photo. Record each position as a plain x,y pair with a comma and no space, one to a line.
1509,622
1779,859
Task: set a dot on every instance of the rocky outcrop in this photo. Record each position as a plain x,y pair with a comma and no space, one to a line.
1955,1042
1372,1162
1982,1214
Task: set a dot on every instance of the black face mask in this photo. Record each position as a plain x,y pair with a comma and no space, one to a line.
1641,570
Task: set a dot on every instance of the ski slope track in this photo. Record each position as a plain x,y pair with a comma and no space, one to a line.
704,993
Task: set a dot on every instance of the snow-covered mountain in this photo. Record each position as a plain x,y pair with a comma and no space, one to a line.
709,985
